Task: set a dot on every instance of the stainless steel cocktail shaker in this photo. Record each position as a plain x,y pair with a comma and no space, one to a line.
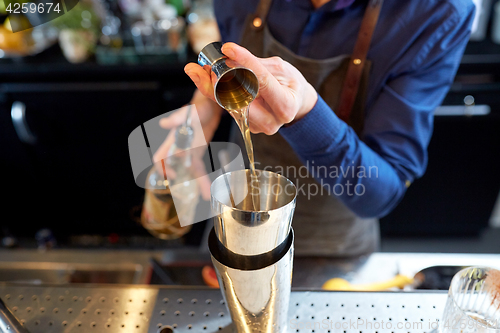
252,251
236,86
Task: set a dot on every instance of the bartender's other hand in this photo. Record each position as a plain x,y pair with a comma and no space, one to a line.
284,94
209,114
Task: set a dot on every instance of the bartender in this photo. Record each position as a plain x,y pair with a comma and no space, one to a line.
350,99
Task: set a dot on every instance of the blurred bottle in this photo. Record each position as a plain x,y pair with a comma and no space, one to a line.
202,26
111,32
45,239
495,28
159,216
8,240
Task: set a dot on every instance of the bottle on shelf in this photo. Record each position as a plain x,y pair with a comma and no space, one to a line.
202,26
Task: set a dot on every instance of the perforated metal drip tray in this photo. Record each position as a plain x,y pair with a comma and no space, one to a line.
55,309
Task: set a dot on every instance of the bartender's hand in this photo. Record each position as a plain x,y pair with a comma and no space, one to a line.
284,94
209,113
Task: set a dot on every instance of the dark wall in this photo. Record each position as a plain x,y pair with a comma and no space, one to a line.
76,178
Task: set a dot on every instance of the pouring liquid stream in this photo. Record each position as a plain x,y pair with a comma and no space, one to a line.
241,118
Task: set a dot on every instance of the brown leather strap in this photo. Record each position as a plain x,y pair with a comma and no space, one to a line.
358,59
260,15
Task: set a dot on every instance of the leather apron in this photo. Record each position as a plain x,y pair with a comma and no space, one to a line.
323,225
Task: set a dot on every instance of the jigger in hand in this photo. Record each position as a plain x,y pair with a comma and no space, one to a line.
236,87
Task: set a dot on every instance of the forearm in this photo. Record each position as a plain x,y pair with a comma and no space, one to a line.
364,181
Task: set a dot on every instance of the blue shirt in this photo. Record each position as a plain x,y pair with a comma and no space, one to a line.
415,52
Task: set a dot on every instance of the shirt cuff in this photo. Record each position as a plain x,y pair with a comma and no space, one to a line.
317,130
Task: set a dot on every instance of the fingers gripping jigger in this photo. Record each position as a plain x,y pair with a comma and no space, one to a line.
236,87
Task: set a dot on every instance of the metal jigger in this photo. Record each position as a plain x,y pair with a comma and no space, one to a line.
236,86
252,251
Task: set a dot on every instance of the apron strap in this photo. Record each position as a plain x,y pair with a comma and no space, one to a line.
260,15
358,59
